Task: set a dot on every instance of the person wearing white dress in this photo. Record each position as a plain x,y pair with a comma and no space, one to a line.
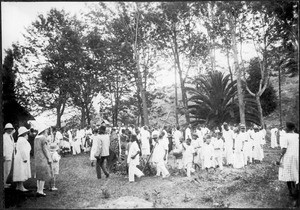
77,143
145,137
281,133
188,134
159,155
22,170
188,156
218,149
248,144
228,135
133,160
208,153
177,134
8,150
257,144
289,160
238,147
197,144
274,131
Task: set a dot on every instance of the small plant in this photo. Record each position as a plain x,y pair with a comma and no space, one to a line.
186,199
105,193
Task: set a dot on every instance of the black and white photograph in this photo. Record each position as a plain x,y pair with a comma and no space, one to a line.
149,104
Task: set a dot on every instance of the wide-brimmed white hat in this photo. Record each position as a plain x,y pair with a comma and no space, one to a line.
42,127
9,126
22,130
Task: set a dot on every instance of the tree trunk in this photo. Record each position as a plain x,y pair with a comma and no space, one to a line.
260,111
140,79
82,123
59,112
176,99
183,92
239,75
279,92
87,113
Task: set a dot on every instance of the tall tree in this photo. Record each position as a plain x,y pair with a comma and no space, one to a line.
48,45
175,29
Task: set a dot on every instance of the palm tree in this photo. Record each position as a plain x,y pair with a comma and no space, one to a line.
213,100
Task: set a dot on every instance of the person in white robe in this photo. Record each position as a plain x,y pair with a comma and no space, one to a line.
218,149
274,131
248,146
257,144
228,135
289,160
145,138
77,143
159,156
208,153
239,146
177,134
8,149
22,170
188,134
196,144
188,157
133,160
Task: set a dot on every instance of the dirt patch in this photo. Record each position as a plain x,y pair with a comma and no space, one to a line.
127,202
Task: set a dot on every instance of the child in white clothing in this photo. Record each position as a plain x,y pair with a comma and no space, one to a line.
55,164
208,153
188,156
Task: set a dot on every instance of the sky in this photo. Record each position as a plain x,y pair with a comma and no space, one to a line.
15,16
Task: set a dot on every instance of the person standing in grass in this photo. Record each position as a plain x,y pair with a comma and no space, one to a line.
8,150
22,170
55,165
218,149
274,131
159,155
188,157
43,159
228,135
239,146
208,153
103,150
133,159
289,160
257,144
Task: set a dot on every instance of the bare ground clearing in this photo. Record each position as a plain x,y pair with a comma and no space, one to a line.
256,186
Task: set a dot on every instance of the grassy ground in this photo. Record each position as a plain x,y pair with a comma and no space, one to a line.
255,186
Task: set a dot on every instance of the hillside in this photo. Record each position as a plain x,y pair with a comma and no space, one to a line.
289,95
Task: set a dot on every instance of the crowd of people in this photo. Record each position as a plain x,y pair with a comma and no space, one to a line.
193,148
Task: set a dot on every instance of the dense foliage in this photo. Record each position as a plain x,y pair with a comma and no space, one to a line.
268,98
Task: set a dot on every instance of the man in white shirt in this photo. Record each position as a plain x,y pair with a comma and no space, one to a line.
102,151
145,137
177,134
159,155
274,131
133,160
188,134
8,149
228,135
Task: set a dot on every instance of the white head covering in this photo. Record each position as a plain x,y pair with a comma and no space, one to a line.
22,130
9,125
42,127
